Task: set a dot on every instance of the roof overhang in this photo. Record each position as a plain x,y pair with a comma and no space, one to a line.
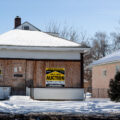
46,48
110,62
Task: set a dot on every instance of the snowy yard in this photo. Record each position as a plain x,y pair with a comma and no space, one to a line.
23,104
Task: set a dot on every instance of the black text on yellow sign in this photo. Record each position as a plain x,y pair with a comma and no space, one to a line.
55,74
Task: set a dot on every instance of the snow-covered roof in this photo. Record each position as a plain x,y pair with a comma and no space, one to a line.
114,57
33,38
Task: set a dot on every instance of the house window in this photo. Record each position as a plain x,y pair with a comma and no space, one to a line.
117,68
104,73
26,27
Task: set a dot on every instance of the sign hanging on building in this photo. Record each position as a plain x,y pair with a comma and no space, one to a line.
55,76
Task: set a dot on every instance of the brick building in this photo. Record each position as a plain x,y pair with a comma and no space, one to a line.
49,67
103,70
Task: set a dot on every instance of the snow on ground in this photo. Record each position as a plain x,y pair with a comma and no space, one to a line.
23,104
87,95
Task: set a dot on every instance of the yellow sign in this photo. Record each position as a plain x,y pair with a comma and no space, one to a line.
55,76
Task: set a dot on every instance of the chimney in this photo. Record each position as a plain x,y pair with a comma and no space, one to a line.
17,21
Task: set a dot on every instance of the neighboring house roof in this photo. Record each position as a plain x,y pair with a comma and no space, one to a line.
111,58
28,24
26,38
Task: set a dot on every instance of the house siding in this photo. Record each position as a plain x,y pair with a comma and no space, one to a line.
100,83
33,73
72,72
7,75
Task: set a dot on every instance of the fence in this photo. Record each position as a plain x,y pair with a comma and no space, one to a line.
98,92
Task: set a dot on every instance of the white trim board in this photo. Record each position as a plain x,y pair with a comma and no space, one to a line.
39,55
37,48
58,93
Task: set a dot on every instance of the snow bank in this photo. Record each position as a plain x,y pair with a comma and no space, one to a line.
20,98
23,104
87,95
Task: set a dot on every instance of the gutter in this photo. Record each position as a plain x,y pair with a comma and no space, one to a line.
36,48
111,62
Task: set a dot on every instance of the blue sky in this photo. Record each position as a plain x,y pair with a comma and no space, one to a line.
82,15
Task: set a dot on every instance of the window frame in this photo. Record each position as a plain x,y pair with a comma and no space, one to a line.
104,73
26,27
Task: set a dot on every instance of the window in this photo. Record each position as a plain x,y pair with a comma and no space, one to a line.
26,27
117,68
104,73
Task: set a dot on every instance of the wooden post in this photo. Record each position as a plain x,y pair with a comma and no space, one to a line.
82,70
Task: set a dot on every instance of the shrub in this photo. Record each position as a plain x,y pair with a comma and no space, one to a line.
114,88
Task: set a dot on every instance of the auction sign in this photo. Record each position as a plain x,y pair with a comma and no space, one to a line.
55,77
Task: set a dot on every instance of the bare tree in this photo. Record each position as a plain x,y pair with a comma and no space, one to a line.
63,32
100,46
73,35
115,41
84,39
53,27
